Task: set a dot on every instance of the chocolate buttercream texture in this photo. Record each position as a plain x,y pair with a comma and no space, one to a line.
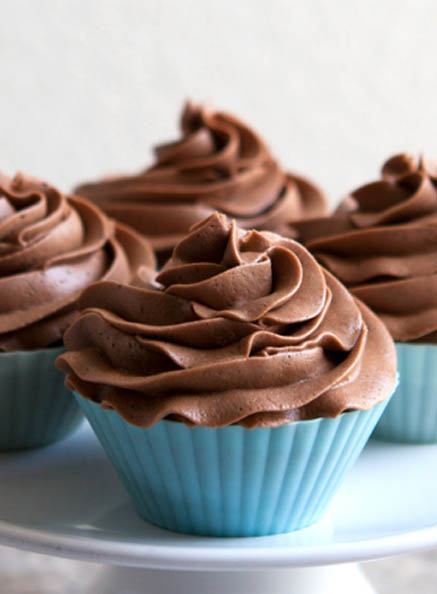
382,244
52,246
240,327
219,164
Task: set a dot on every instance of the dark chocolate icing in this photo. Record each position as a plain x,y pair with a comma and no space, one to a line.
52,246
219,164
241,327
382,244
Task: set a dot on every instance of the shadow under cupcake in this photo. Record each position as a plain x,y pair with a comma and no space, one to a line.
234,393
52,246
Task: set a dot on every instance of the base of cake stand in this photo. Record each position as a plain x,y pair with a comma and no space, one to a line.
335,579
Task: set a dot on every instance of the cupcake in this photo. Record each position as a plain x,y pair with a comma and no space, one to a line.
219,164
234,393
52,246
382,244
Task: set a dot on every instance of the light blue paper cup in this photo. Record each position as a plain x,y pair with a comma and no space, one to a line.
411,416
35,407
232,481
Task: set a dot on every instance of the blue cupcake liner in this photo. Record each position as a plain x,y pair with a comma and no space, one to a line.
411,416
35,406
232,481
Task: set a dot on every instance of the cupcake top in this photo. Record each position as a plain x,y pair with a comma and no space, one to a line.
219,164
382,244
52,246
241,327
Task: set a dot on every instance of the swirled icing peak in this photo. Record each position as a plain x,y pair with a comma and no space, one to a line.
219,164
382,243
240,327
52,246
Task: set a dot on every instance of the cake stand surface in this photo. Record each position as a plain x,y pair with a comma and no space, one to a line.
66,500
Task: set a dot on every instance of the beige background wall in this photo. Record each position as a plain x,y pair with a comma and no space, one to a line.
335,86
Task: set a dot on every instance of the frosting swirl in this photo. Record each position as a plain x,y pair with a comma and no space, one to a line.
241,327
219,164
52,246
382,244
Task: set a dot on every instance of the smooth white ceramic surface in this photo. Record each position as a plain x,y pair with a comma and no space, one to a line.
66,500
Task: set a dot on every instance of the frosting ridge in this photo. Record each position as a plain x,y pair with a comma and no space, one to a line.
382,244
219,164
239,327
51,247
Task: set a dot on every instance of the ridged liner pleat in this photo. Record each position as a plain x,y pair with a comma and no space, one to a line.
35,407
411,416
232,481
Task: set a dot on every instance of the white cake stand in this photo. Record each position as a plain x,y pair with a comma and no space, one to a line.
66,500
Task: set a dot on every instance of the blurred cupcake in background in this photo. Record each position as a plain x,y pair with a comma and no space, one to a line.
219,164
52,246
233,393
382,244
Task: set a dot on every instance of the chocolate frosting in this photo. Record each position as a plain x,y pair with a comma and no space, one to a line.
382,244
241,327
52,246
219,164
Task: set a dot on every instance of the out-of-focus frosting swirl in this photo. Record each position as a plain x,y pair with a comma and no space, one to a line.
382,243
52,246
219,164
241,327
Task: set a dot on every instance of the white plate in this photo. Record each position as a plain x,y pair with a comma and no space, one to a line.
66,500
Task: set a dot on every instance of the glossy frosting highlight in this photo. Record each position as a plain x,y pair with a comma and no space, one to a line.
240,327
382,244
219,164
52,246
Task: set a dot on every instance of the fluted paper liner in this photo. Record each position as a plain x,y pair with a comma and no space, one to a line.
232,481
35,407
411,416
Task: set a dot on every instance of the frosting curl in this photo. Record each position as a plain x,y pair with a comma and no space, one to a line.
219,164
240,327
382,244
52,246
